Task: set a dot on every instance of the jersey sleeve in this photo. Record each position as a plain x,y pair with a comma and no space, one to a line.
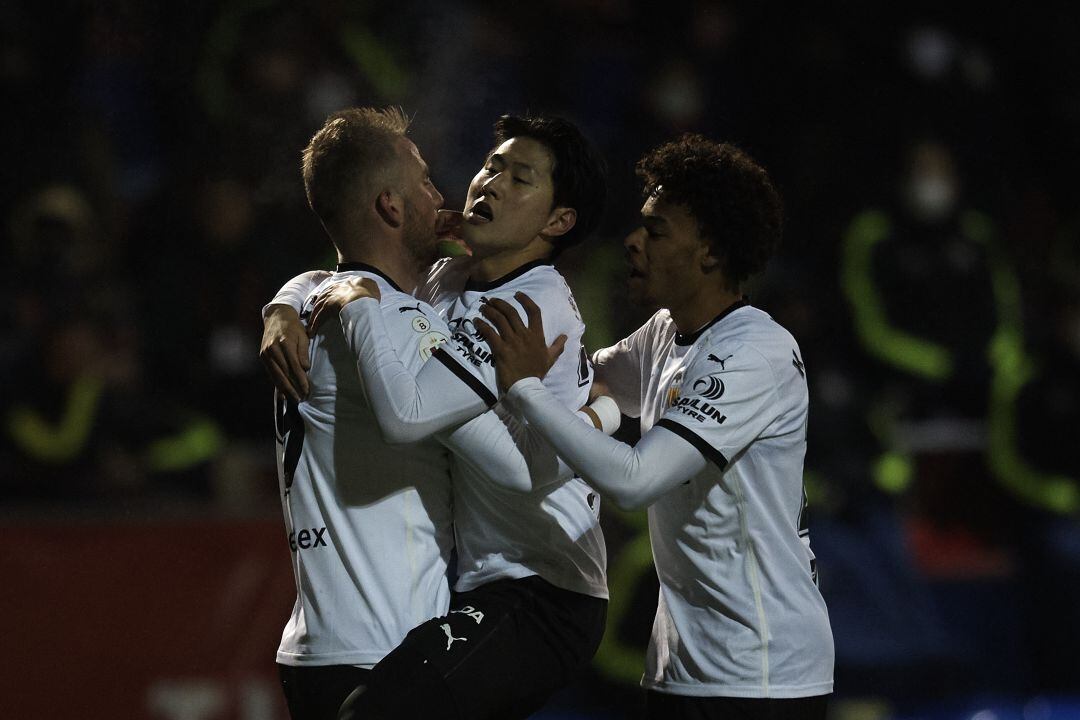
296,291
407,407
720,409
618,369
507,452
633,477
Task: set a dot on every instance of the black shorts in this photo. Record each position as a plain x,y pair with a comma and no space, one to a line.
683,707
316,692
501,651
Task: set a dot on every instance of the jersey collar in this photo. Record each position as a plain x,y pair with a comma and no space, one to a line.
689,339
480,286
351,266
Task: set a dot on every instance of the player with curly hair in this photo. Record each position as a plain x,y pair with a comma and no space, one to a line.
741,629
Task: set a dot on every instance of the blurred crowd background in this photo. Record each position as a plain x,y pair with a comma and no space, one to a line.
151,203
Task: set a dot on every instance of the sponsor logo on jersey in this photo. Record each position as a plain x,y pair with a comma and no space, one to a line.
699,410
430,342
450,639
415,307
306,539
710,388
463,325
470,611
469,349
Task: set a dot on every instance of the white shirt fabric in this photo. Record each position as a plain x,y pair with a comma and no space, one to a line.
369,523
552,530
723,416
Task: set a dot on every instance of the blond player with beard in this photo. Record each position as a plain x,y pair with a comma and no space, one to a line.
530,596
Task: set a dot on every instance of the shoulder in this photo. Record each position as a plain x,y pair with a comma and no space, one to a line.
750,337
546,287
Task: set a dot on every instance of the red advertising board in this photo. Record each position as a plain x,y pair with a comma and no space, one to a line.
165,620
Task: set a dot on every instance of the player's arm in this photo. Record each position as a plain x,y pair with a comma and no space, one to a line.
284,346
668,455
633,477
407,407
513,455
618,372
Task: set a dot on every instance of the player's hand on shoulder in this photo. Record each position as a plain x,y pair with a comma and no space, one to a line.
520,350
330,301
284,351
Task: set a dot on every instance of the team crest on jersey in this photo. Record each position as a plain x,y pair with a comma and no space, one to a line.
430,342
674,389
420,324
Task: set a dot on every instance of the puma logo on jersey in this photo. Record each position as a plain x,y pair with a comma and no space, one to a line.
450,636
415,307
471,612
716,359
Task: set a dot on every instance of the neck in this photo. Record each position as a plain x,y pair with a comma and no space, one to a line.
388,255
691,315
493,267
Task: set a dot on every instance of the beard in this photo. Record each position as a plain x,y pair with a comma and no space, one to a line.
419,237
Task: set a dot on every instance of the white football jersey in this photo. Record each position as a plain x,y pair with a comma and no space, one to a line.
369,524
739,612
553,533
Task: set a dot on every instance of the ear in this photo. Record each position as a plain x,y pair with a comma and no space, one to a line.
560,221
391,208
709,262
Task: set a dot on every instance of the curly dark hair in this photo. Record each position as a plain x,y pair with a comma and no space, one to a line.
579,174
737,208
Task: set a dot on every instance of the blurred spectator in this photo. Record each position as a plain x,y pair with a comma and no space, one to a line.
78,420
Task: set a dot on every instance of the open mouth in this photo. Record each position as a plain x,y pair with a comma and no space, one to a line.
480,212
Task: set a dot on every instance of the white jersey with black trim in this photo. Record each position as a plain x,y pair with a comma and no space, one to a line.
551,532
369,524
739,612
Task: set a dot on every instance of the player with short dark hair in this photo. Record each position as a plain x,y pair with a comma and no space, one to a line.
740,629
577,170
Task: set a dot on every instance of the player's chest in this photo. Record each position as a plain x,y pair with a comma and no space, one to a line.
664,381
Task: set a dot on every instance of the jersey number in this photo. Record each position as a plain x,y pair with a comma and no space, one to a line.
583,368
289,433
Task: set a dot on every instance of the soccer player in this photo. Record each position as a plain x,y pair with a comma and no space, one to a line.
530,596
369,524
740,629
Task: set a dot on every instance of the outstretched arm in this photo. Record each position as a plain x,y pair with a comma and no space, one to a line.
633,477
